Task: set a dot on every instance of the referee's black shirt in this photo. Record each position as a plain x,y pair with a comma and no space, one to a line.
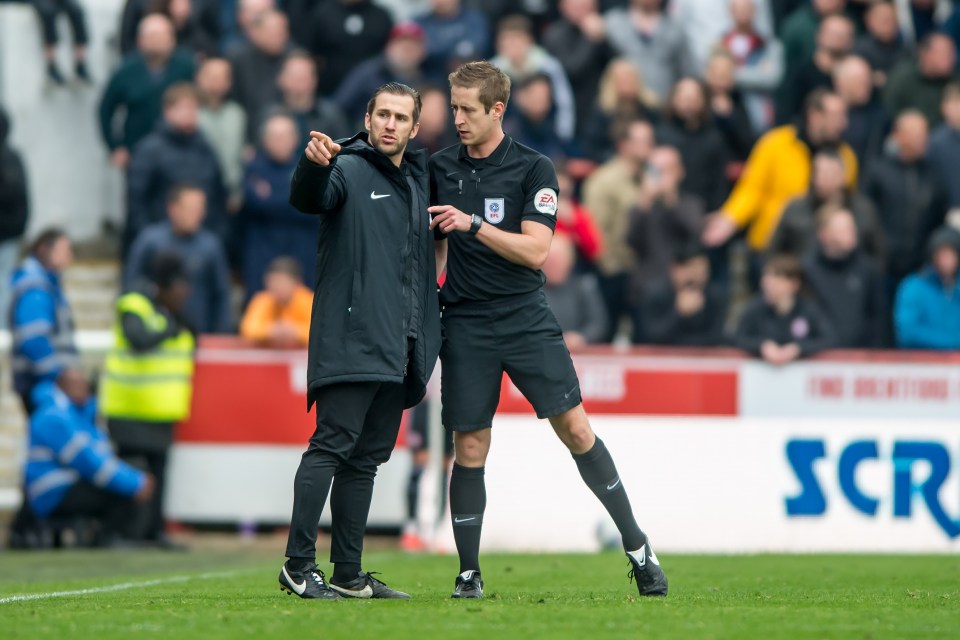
513,184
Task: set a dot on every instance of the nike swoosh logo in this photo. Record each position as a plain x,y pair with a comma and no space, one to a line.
376,196
569,393
366,592
613,486
298,587
459,520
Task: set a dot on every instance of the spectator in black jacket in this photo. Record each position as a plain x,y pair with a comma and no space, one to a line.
665,217
298,90
257,65
573,297
796,231
868,121
402,61
834,42
780,325
175,153
689,127
729,111
911,198
846,284
13,213
682,308
944,149
344,34
531,121
622,97
196,22
881,44
578,41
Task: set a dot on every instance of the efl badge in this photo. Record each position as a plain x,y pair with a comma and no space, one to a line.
546,202
493,210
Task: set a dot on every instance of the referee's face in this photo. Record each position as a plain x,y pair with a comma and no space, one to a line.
474,124
391,124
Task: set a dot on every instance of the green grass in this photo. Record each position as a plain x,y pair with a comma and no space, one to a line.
529,596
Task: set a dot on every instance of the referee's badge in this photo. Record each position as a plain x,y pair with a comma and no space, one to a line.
546,202
493,210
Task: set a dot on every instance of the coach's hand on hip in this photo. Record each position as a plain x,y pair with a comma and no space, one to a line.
321,149
449,218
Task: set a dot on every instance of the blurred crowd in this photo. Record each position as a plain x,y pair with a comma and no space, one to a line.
818,141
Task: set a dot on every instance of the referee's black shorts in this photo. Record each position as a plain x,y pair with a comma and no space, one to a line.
519,336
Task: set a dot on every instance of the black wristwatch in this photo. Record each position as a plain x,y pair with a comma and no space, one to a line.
475,223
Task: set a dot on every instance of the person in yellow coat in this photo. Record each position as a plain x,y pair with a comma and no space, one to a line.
147,382
779,170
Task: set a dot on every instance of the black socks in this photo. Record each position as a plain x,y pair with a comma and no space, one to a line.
468,500
600,474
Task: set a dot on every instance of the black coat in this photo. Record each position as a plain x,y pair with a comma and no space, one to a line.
344,34
850,293
911,202
13,189
376,280
705,155
805,325
583,60
663,325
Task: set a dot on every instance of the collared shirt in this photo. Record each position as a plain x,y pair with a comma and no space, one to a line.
513,184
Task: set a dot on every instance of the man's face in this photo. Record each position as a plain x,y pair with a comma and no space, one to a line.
838,235
742,12
853,81
827,7
298,78
688,99
183,115
155,38
828,177
576,10
939,58
946,262
951,111
639,142
272,34
692,274
405,53
828,124
535,100
187,211
667,166
882,22
281,286
514,45
778,288
61,254
391,124
911,134
75,385
835,36
721,74
434,114
474,124
281,139
214,78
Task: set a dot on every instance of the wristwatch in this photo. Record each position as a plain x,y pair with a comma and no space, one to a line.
475,223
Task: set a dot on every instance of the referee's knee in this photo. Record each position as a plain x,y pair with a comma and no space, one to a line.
574,430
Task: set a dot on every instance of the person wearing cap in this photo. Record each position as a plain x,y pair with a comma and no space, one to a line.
926,313
402,61
147,381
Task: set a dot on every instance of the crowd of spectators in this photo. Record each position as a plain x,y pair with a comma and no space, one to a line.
822,134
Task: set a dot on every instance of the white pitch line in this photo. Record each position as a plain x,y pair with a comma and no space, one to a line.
115,587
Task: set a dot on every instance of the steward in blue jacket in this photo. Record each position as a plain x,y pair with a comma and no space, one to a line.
40,316
71,469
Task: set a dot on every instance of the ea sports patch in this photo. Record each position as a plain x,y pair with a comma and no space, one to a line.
493,210
546,202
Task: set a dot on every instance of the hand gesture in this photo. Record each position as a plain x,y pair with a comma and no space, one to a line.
146,491
449,218
321,149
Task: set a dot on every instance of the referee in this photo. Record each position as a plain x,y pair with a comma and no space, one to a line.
495,203
374,331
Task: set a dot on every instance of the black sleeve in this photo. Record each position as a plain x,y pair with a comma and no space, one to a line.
822,334
659,311
316,189
749,333
540,191
140,336
434,198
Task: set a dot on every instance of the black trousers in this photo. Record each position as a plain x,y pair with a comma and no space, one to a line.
113,510
24,522
48,10
146,446
357,426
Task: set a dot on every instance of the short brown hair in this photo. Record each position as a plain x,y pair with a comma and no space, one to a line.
179,91
494,84
397,89
784,265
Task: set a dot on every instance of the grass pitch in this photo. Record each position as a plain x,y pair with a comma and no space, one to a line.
235,595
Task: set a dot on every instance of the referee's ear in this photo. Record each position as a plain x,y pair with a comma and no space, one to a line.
497,110
415,130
